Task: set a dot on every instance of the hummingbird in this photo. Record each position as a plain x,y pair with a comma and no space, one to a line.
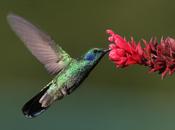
69,72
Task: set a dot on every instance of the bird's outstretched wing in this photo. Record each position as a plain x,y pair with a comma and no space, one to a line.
40,44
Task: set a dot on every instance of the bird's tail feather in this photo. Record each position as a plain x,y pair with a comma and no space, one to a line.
33,107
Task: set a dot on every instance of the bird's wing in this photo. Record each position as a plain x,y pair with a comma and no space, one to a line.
40,44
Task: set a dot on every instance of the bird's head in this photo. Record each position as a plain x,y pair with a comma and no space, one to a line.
95,54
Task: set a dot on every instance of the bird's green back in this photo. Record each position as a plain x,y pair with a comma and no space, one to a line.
74,72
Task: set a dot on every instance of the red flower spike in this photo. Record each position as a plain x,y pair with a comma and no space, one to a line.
158,57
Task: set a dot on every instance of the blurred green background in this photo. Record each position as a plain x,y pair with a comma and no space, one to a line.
114,99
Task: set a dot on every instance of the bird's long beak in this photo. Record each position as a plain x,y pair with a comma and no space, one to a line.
106,50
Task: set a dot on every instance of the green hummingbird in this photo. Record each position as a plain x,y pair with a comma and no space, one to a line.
69,72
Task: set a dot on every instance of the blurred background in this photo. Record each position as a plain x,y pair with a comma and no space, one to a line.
114,99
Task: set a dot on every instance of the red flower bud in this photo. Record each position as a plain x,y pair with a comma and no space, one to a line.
158,57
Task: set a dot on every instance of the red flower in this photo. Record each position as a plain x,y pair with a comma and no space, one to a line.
122,52
158,57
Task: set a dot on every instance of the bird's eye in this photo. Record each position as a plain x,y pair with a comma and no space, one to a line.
95,51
